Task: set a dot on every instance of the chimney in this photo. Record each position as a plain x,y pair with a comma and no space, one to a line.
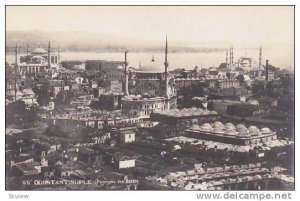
267,70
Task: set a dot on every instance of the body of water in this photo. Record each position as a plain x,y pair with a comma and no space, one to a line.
279,57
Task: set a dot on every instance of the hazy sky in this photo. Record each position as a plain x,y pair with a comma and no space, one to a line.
247,25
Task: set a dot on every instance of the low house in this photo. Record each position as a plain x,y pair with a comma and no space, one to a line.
89,156
30,168
123,161
68,169
127,136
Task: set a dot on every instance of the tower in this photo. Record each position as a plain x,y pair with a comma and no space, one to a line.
16,56
58,59
227,57
49,56
153,60
16,69
231,56
27,50
126,93
230,53
166,69
267,71
260,57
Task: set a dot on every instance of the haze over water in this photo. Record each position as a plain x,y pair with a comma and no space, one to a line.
243,27
281,57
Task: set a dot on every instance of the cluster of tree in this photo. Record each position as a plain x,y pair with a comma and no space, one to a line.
56,131
18,113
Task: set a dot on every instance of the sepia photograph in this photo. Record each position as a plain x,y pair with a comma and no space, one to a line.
149,98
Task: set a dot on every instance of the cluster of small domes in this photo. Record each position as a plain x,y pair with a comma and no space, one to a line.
230,129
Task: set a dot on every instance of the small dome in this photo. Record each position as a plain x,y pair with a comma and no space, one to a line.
176,147
265,130
213,112
229,126
252,127
253,130
193,109
240,126
195,127
184,110
205,112
218,125
206,126
199,110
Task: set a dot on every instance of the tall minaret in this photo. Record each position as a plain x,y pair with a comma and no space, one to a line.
227,57
231,56
27,50
260,57
49,56
166,70
59,49
16,56
16,69
126,93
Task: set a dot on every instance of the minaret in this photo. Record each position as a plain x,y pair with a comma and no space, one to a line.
16,69
59,49
126,93
49,56
227,57
166,70
16,56
27,51
260,57
140,64
153,60
231,56
230,52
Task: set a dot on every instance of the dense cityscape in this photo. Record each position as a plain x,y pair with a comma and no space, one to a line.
107,125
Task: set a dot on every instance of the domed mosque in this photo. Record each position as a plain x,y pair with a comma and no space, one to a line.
39,60
153,89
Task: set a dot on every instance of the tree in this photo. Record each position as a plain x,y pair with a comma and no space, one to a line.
18,113
55,131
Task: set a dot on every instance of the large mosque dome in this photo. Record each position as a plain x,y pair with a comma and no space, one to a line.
39,50
152,67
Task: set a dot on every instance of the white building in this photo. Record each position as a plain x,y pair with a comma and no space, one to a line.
127,137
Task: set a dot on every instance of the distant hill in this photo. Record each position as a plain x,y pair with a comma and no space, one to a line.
85,41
